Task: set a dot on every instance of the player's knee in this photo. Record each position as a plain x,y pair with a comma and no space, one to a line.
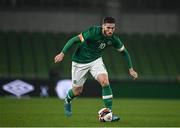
104,82
103,79
77,91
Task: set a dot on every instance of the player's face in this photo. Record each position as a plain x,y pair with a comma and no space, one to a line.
108,29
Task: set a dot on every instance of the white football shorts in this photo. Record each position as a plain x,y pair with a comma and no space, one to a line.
79,71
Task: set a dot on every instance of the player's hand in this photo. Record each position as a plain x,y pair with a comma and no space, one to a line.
58,58
133,73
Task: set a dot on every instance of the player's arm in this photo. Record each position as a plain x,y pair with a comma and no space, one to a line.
70,43
86,35
128,60
59,57
126,56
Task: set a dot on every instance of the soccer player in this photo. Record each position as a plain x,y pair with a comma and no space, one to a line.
88,58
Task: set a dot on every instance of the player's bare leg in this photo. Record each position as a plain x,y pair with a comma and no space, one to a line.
75,91
106,93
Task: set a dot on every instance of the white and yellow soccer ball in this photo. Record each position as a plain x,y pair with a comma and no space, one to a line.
105,115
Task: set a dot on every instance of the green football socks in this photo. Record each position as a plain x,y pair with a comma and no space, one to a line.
70,95
107,96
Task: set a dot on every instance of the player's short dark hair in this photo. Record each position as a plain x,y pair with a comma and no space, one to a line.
108,20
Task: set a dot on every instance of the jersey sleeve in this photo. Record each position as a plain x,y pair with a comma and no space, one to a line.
88,34
118,44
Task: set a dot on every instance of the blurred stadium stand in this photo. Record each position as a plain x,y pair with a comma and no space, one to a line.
126,5
30,55
32,32
150,30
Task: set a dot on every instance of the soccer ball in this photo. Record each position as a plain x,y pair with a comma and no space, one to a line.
105,115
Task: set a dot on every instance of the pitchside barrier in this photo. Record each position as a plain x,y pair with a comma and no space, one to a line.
121,89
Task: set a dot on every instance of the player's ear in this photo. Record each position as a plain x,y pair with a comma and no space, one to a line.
103,25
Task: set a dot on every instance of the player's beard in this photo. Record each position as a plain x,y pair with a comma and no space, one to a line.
107,33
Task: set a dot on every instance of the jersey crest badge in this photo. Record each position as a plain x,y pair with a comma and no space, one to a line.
109,42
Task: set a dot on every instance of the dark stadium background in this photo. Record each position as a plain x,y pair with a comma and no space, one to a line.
32,32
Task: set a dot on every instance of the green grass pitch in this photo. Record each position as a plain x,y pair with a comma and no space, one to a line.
49,112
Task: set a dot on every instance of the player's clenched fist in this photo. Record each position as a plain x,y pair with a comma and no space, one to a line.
58,58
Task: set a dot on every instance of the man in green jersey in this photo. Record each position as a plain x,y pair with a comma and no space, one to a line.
88,58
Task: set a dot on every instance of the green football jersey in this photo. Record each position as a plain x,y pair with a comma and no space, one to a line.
93,42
